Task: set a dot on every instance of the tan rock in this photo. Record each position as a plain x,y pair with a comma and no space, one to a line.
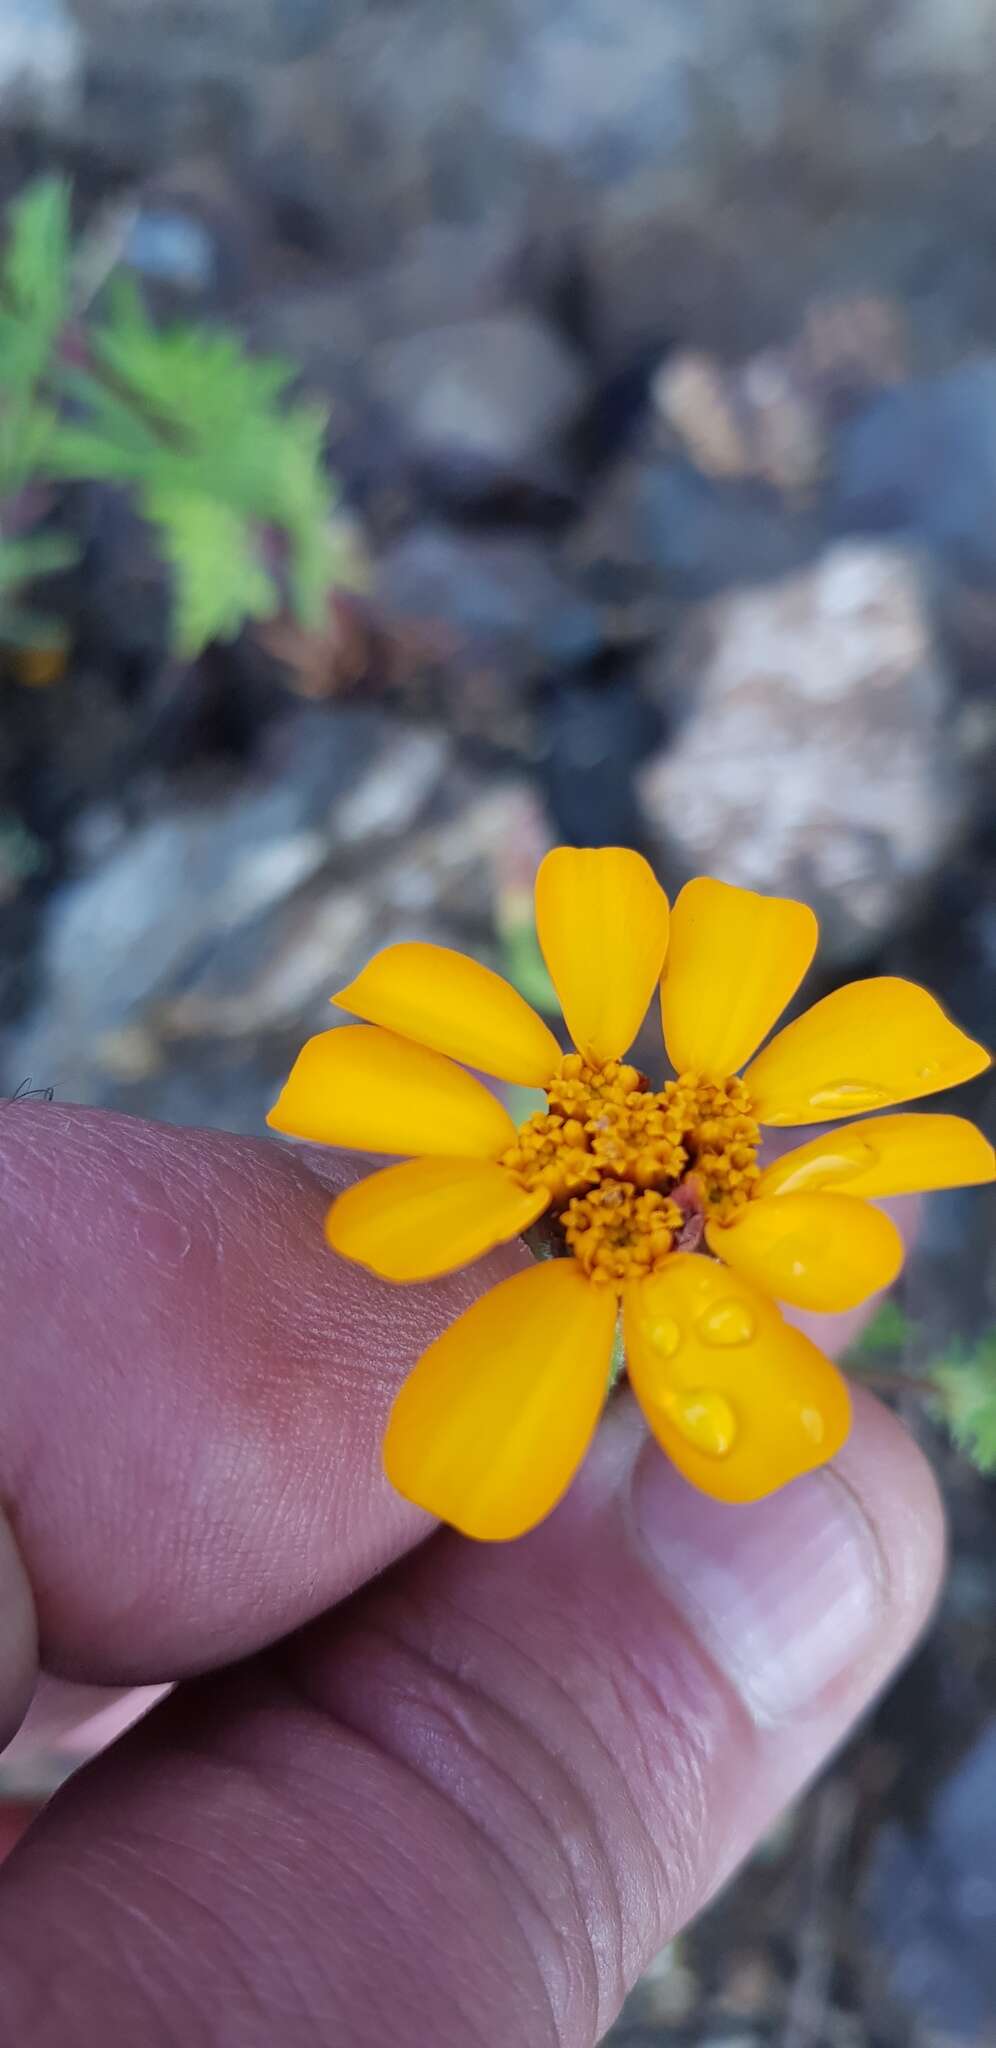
817,758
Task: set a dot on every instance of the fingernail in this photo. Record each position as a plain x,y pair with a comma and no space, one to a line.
784,1595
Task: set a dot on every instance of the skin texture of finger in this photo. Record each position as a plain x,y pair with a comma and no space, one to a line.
194,1393
468,1807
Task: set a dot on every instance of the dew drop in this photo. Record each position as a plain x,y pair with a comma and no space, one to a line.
704,1418
726,1323
663,1335
812,1423
848,1095
853,1155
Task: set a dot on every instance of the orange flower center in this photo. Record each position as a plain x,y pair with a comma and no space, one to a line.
619,1233
630,1171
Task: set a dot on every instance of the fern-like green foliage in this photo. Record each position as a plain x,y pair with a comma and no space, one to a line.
34,296
34,292
221,460
966,1393
886,1336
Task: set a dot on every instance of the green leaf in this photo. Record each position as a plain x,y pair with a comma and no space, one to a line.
886,1336
217,451
522,962
34,283
205,435
40,554
966,1390
219,580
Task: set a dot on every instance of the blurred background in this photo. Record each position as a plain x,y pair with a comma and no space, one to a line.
629,475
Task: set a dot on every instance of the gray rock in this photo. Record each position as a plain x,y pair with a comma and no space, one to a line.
817,758
369,120
267,30
931,1898
199,888
180,974
41,62
483,404
660,527
921,459
173,248
659,268
499,599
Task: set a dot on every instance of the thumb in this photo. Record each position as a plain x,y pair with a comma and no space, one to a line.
474,1801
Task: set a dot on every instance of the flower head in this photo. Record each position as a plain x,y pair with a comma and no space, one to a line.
656,1196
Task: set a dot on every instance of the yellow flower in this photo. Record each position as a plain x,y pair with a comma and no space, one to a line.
656,1194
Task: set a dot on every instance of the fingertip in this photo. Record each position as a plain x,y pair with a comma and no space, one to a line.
894,1485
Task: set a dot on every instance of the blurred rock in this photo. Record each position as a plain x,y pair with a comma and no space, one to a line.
921,460
722,164
659,270
264,29
852,345
932,1899
483,406
660,529
754,422
590,736
768,417
167,246
691,395
167,896
41,62
493,614
816,759
178,977
276,975
442,273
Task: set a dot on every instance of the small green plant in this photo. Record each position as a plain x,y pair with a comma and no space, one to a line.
958,1388
34,289
887,1334
965,1381
224,463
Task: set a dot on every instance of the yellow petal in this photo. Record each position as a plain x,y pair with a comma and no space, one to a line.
864,1047
444,1000
740,1401
602,919
822,1251
491,1426
885,1155
734,960
429,1216
369,1091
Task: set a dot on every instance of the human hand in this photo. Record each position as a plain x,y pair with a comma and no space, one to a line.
414,1788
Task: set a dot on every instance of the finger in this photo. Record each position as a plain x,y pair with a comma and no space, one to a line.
194,1397
473,1803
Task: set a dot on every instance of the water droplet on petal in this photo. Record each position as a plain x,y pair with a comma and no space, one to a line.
850,1157
847,1096
927,1072
813,1424
726,1323
663,1335
704,1418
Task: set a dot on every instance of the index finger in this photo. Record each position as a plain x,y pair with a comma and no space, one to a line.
194,1391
